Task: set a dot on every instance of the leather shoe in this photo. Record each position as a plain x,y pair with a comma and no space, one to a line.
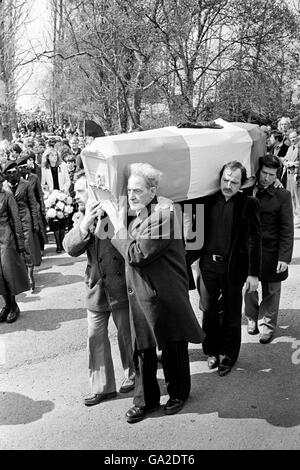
13,315
224,370
213,362
97,398
136,413
265,338
127,386
173,405
252,327
3,314
225,366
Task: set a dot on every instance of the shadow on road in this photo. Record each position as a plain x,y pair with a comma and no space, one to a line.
48,279
19,409
263,384
43,320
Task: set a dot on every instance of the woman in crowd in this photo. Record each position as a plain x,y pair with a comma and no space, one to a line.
55,175
13,273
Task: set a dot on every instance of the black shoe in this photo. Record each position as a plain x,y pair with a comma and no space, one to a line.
58,250
213,362
252,327
225,366
97,398
173,405
224,370
3,314
13,315
265,338
136,414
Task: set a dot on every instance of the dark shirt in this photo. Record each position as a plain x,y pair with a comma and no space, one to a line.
220,226
54,171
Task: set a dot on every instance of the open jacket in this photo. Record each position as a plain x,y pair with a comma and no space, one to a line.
245,250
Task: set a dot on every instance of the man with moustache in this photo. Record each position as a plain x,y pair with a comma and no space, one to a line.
230,257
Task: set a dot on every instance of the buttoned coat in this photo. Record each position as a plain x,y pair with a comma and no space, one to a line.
13,272
29,218
276,215
105,283
157,281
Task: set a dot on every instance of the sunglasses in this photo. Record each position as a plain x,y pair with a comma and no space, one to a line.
23,166
11,172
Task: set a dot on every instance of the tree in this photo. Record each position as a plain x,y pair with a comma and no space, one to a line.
12,14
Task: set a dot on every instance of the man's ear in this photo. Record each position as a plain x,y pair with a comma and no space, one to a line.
153,190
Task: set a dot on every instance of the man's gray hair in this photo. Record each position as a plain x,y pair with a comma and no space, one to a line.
150,174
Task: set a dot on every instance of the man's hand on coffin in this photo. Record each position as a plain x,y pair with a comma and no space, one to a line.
92,210
117,214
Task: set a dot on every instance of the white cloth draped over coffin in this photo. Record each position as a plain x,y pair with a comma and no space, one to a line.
190,159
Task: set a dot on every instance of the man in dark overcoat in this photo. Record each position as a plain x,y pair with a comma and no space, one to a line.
28,211
230,257
157,284
276,214
13,273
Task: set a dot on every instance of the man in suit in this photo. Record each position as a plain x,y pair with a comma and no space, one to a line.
276,214
230,257
106,295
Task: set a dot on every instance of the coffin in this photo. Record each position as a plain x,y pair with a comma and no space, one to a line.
190,159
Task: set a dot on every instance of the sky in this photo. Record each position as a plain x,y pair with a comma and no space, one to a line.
34,36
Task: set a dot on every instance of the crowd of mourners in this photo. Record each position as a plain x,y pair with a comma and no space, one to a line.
37,171
143,280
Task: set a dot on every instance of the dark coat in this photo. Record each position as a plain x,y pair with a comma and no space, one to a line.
35,184
277,223
13,272
29,217
245,251
105,272
157,281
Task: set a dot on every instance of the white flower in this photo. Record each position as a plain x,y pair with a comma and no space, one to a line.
61,196
59,215
69,200
51,200
68,209
55,192
60,206
51,213
47,203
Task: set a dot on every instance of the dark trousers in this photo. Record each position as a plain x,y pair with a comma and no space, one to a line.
223,329
176,367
